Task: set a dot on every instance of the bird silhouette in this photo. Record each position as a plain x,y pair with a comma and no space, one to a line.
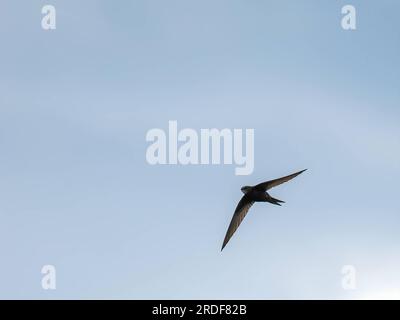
257,193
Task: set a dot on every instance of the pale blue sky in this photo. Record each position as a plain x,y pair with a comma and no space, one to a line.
76,191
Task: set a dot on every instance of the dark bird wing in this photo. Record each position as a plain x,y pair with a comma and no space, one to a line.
240,212
273,183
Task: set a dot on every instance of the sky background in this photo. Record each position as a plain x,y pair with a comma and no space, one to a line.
76,191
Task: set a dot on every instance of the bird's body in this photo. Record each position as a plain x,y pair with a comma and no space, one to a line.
257,193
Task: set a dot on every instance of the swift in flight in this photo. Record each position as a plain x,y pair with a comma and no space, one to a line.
254,194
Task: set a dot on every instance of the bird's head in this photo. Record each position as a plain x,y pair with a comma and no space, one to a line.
245,189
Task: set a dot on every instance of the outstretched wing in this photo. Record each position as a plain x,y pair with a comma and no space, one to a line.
241,210
273,183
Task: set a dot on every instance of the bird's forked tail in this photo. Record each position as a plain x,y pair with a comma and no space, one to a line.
275,201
